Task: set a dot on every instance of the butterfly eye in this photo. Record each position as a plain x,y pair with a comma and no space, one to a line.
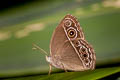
71,33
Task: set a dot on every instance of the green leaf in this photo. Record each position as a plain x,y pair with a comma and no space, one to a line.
85,75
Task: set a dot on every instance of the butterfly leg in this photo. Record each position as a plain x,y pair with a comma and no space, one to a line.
64,68
50,69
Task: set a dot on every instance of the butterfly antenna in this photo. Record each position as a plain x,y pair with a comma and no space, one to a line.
35,47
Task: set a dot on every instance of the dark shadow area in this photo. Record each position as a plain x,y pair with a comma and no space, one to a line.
107,65
111,77
7,4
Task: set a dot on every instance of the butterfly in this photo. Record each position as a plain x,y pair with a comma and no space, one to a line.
68,48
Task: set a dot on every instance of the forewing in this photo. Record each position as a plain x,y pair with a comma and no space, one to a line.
62,50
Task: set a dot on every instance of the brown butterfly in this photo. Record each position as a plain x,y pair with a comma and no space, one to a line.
68,48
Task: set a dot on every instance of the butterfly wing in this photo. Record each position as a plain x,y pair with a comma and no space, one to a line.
63,49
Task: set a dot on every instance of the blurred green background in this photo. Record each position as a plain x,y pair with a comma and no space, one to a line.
33,21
